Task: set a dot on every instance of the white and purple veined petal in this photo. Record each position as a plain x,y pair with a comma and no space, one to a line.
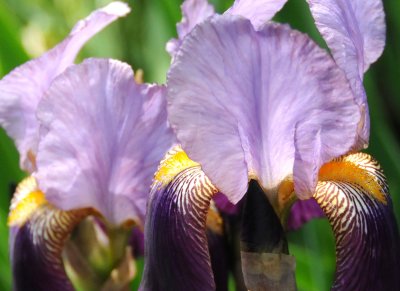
265,105
360,212
175,228
102,138
38,232
22,89
46,255
354,30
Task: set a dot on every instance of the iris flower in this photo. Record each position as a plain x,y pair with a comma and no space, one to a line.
91,139
258,107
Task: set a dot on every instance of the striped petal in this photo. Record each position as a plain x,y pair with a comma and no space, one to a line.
261,105
47,255
257,11
176,254
193,12
38,233
354,196
354,30
22,89
102,138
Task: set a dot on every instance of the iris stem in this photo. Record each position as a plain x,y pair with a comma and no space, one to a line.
266,262
262,231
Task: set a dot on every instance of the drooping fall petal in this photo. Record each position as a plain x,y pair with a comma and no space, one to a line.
263,104
38,233
176,254
22,89
102,138
354,196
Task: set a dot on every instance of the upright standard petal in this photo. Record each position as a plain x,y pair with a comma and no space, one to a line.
264,104
257,11
22,89
355,33
193,12
103,136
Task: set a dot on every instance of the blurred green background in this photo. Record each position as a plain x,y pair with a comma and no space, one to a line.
28,28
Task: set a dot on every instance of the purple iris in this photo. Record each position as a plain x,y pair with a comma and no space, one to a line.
263,117
91,138
253,101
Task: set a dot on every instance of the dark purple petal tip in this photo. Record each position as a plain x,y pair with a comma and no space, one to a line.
303,211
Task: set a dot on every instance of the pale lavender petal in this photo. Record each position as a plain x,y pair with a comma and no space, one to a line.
258,11
249,104
193,12
22,89
104,136
355,33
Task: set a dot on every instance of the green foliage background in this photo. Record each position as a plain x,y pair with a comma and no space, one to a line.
27,28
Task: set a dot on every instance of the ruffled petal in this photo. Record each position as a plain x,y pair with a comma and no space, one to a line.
355,33
263,104
103,136
354,196
257,11
22,89
193,12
